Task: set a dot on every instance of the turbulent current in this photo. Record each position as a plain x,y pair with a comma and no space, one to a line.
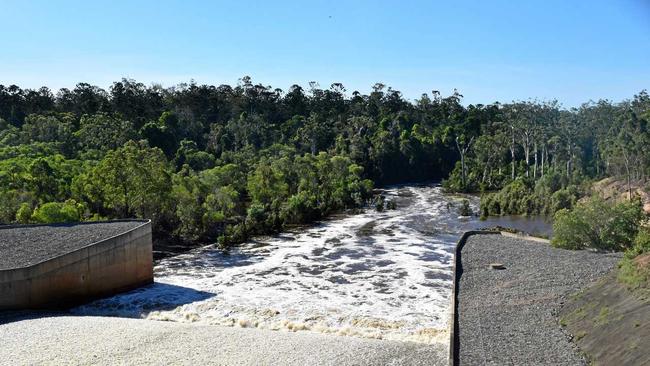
378,274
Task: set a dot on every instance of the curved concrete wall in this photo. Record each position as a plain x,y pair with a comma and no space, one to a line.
119,263
457,271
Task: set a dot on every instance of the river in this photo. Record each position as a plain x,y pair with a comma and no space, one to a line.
377,274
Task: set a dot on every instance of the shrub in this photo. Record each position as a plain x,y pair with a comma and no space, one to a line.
255,218
513,199
525,197
598,225
55,212
24,214
300,208
562,199
465,209
641,244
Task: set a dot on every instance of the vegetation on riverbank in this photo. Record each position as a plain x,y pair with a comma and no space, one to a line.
536,158
601,225
598,224
609,320
207,162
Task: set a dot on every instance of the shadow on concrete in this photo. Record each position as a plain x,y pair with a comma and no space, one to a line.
142,301
133,304
10,316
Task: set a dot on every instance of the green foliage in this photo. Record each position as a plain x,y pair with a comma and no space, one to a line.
546,196
633,276
133,181
207,162
631,272
633,269
9,135
597,224
641,243
24,213
58,212
50,128
160,136
301,207
514,199
465,209
189,153
104,132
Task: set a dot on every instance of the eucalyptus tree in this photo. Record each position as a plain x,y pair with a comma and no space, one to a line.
104,132
133,180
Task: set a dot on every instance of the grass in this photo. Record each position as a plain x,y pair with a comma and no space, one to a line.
576,315
635,277
581,334
603,316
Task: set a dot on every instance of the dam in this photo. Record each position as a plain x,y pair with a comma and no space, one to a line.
59,265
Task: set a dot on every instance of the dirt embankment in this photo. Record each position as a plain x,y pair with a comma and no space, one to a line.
617,190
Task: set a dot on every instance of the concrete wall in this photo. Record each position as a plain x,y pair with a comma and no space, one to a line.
457,270
113,265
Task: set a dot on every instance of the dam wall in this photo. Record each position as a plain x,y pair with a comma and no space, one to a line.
95,269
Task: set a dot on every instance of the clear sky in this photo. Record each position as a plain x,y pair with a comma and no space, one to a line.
572,50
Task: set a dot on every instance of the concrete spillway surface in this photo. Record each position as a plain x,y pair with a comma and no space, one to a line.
53,265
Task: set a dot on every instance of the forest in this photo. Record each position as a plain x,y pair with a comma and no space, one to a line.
221,163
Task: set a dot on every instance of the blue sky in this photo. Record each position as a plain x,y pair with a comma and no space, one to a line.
571,50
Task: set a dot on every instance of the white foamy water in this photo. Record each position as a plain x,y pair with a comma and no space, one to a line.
378,274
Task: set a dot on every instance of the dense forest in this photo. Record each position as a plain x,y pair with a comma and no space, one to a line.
222,163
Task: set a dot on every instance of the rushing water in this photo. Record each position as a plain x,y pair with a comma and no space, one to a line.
378,274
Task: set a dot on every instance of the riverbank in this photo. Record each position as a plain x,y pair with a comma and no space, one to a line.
61,340
509,316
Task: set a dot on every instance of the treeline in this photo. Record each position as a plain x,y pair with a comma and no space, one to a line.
207,162
540,158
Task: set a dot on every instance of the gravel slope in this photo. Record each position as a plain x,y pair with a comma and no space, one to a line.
67,340
509,317
24,246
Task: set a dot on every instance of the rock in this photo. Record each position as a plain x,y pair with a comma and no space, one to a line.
497,266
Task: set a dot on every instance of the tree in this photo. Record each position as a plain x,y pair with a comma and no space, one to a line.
463,147
50,128
56,212
313,133
132,181
104,132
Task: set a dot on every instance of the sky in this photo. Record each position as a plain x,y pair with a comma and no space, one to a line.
497,50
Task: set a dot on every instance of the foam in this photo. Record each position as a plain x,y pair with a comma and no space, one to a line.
384,275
